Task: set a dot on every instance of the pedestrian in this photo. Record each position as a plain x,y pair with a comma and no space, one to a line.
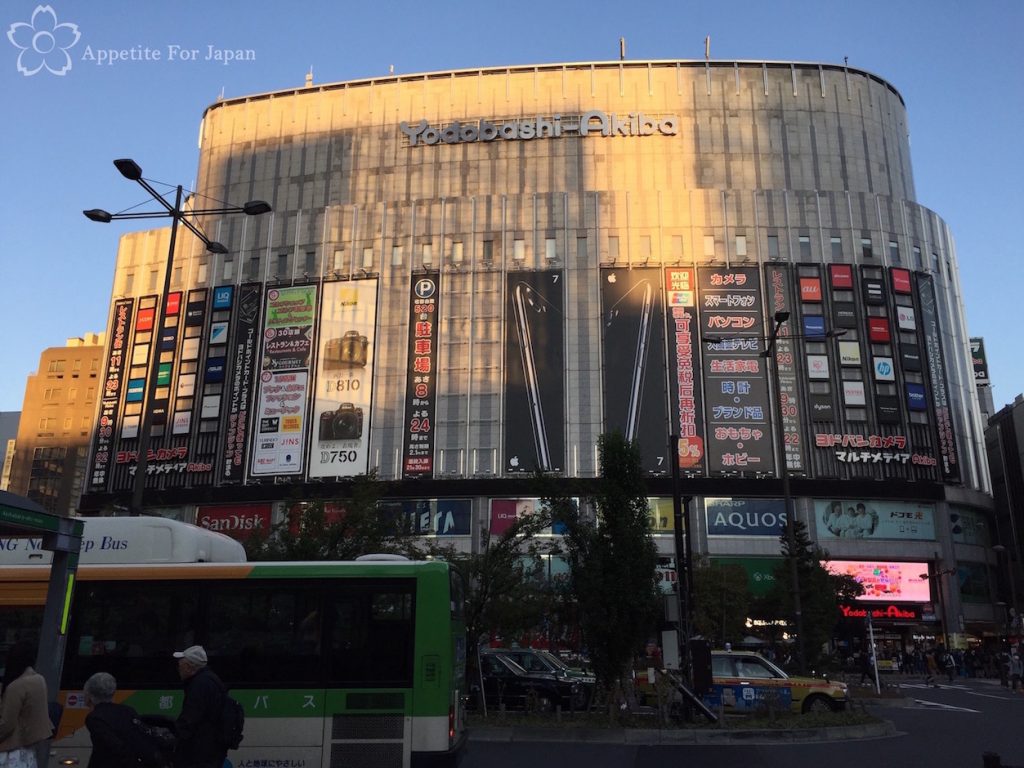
949,664
116,739
931,668
200,725
866,667
24,718
1016,671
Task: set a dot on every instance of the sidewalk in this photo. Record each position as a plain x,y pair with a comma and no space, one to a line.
708,735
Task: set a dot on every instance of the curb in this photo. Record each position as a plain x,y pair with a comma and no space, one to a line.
651,736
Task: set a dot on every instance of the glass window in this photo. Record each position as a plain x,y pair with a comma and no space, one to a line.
229,268
282,265
709,246
773,247
581,248
396,257
741,245
613,248
918,260
487,250
367,258
836,244
202,272
310,265
865,248
894,252
129,282
551,248
749,667
457,252
254,268
805,247
721,666
339,260
152,280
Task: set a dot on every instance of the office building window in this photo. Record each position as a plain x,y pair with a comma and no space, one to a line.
581,248
229,268
865,248
129,282
551,248
396,256
282,265
339,260
805,247
836,244
709,246
487,250
202,272
153,276
773,247
741,245
254,267
367,258
310,266
613,248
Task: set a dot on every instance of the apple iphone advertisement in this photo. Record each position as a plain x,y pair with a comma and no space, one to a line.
633,335
344,380
534,372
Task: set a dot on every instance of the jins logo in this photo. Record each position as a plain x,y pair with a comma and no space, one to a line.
593,122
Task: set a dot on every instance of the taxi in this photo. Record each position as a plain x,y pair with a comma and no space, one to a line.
744,681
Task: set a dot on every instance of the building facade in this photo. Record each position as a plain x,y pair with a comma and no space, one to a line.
1004,439
49,459
471,275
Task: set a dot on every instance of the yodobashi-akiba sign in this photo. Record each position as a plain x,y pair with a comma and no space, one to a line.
593,123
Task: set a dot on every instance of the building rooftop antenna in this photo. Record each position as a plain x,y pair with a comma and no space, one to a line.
309,76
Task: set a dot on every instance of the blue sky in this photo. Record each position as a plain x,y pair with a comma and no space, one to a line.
957,65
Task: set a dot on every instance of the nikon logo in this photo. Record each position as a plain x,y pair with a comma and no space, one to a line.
589,123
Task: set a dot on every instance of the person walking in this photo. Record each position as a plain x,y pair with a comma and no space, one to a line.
1016,672
111,726
24,718
199,726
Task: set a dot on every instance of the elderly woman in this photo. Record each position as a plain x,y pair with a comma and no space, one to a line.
111,727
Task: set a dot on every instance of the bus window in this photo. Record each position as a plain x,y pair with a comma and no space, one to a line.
266,631
371,634
131,633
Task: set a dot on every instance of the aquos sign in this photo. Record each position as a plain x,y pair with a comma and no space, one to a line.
593,123
744,517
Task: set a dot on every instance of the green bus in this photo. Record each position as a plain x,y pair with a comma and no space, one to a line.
336,664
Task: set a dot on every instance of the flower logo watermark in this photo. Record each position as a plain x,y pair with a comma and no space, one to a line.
44,43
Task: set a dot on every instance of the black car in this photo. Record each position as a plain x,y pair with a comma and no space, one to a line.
535,660
506,683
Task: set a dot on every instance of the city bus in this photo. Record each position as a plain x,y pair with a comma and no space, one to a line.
335,663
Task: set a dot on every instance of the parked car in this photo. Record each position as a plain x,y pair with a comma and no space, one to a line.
543,662
744,680
507,683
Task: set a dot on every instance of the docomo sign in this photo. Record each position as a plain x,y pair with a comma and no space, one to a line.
593,122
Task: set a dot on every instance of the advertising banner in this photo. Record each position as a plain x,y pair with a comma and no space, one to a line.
421,381
288,328
853,448
872,519
239,521
281,411
633,344
760,571
745,517
534,372
949,461
979,361
340,445
433,517
685,409
111,394
780,299
662,514
969,527
736,398
886,581
242,356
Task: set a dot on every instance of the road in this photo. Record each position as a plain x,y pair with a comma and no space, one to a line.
945,726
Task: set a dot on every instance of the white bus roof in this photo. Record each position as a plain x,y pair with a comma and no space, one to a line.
123,540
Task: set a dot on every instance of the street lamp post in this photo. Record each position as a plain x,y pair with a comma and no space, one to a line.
131,171
778,429
938,592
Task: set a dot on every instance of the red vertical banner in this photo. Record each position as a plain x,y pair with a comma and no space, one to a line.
684,379
421,384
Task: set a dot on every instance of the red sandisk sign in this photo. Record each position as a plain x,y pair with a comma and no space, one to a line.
239,521
882,613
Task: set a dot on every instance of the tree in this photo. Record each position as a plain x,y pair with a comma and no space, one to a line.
337,530
821,592
612,562
722,601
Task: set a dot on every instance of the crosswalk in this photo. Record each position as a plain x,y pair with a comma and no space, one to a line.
948,707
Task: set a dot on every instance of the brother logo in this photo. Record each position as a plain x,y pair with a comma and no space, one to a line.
593,122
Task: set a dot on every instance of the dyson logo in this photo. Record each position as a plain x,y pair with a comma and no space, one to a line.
556,126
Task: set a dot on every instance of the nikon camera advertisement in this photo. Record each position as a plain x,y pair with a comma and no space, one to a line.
344,380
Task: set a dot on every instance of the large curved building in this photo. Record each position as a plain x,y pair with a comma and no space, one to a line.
469,275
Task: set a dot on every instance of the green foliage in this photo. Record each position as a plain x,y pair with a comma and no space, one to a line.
820,592
612,561
361,527
722,600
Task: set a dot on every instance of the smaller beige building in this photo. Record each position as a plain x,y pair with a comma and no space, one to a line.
56,421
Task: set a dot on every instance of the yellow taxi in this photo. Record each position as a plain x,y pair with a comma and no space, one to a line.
744,681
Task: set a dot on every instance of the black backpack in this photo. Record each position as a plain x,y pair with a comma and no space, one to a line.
232,723
152,741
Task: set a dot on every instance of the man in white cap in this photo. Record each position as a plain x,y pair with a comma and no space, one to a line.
199,727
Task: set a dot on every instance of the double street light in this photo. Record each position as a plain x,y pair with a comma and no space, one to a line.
131,171
780,318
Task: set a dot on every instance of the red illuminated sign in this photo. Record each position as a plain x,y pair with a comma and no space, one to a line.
878,330
173,303
144,322
239,521
842,275
901,280
810,289
883,613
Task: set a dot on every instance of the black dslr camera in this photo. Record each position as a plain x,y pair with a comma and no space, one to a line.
346,423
